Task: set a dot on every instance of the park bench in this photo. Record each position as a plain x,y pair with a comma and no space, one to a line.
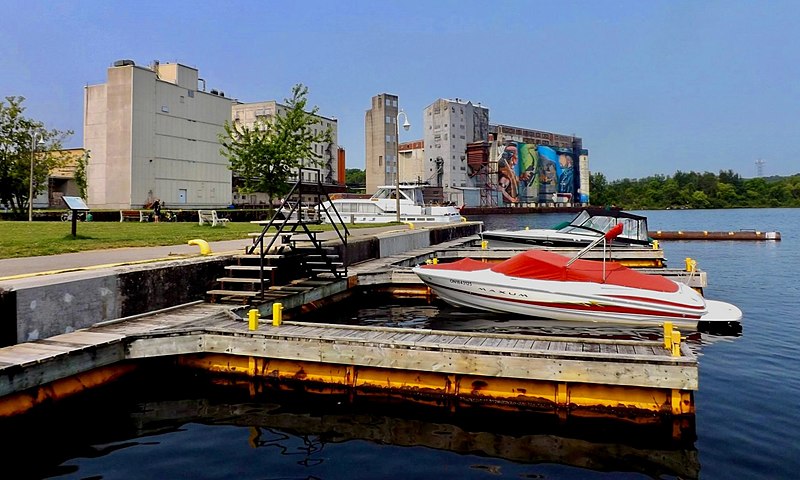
210,217
140,215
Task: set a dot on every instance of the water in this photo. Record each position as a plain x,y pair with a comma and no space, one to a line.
747,423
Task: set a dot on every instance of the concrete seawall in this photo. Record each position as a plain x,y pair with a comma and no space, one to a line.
43,306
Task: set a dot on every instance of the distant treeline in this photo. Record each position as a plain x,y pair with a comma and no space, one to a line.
696,190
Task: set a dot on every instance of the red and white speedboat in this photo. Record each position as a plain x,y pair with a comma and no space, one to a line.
548,285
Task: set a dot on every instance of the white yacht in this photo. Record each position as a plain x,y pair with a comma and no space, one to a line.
382,207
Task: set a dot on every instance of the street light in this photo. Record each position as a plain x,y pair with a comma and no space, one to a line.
406,126
30,190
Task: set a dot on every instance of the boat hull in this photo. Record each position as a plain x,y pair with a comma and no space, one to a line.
574,301
389,218
550,238
589,225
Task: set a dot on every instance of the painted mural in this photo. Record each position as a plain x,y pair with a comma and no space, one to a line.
537,174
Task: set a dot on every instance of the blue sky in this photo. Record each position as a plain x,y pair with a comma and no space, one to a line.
652,87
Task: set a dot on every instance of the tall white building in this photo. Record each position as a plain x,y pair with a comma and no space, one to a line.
449,126
152,133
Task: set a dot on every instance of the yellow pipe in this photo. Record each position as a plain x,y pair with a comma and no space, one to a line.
204,248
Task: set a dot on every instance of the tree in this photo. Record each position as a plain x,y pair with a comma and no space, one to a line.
597,189
264,155
80,174
355,176
18,135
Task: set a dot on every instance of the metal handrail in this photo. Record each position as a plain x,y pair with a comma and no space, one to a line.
280,225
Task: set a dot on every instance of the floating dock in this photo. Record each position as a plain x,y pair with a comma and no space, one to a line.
563,375
751,235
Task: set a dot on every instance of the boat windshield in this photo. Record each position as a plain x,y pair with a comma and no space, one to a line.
417,193
632,227
413,194
384,192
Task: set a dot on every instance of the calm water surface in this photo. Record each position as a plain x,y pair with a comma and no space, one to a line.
747,423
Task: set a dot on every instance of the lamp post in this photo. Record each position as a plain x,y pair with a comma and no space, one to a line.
30,185
406,126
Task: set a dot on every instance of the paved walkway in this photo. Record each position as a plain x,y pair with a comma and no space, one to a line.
12,268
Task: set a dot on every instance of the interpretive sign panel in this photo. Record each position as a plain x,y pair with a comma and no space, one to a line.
75,203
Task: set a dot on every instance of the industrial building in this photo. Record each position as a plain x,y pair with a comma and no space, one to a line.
475,163
330,157
449,126
380,137
153,134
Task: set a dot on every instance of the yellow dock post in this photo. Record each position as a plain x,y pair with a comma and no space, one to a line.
668,335
252,317
277,314
676,343
691,264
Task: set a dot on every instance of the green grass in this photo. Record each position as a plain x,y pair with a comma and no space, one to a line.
29,239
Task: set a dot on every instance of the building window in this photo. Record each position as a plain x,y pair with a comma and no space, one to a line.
394,103
380,160
388,119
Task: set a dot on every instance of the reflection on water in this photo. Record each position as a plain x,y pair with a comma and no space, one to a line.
172,416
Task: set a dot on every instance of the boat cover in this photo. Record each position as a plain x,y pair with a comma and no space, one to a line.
544,265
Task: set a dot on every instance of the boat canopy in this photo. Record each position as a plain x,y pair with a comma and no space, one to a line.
544,265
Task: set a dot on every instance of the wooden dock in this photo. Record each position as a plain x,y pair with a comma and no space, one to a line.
564,375
747,235
640,381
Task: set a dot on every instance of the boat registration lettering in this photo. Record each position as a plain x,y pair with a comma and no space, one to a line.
461,282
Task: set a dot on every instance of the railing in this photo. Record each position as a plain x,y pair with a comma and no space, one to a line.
288,209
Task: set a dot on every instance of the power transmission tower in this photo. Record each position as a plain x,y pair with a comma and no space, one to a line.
760,167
